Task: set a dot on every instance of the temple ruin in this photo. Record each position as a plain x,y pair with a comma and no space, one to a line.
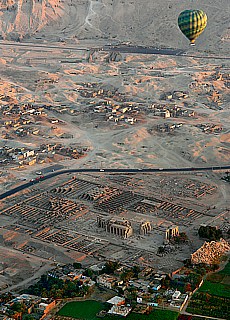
171,232
145,227
120,228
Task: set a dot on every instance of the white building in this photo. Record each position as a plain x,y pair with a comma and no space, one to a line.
176,295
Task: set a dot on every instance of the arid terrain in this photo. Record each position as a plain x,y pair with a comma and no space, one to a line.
141,22
116,110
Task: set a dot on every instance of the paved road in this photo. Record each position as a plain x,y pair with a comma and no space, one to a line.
55,167
33,45
124,49
144,50
100,171
166,51
119,48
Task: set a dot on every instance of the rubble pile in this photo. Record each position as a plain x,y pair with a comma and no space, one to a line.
210,252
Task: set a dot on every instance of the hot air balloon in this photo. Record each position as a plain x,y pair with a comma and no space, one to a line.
192,23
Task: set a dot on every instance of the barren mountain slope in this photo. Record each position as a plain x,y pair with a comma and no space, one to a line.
144,22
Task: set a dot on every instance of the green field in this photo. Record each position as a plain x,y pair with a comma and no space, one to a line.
213,297
218,283
87,310
217,289
226,270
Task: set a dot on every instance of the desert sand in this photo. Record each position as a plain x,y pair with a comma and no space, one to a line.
141,22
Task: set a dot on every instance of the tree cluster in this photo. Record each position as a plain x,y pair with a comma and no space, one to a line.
181,238
210,233
55,288
110,267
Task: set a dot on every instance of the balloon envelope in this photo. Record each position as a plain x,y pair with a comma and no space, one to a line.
192,23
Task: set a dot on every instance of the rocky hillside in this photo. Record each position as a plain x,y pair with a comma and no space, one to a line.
144,22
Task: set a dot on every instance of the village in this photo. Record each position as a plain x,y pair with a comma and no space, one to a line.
24,156
135,237
127,99
131,288
95,233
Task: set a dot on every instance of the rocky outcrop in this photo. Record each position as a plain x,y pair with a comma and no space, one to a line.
210,252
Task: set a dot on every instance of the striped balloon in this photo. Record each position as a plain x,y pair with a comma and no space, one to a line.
192,23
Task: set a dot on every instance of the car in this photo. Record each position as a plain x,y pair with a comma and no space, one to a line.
161,168
41,177
102,170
